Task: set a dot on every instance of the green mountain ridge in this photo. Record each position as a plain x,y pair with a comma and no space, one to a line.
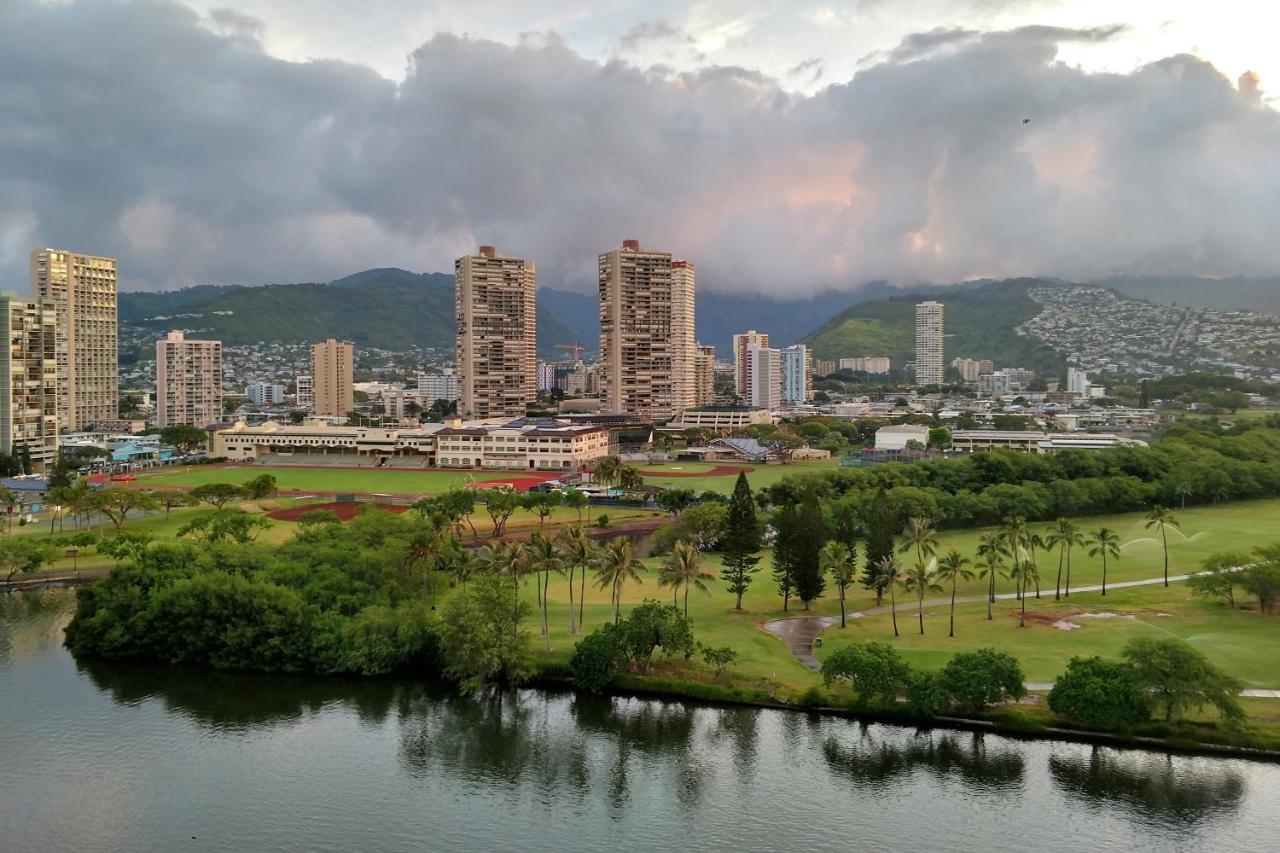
980,322
387,308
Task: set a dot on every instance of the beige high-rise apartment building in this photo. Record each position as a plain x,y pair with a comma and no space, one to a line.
332,383
929,344
646,331
188,381
83,290
741,363
29,381
684,347
497,334
704,374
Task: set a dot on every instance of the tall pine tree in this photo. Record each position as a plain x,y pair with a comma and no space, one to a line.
882,528
786,530
741,541
806,550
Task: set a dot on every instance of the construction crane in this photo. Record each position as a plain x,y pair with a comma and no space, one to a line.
575,348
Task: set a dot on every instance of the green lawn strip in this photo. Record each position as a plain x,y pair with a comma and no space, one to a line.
761,476
365,481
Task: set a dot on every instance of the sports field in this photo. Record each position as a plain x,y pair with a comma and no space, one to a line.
357,481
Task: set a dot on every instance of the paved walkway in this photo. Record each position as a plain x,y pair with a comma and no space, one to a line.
799,632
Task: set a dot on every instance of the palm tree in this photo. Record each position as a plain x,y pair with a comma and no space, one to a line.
576,551
615,566
11,503
1025,573
422,549
1163,519
1107,543
1013,533
991,554
1035,542
887,573
953,568
607,469
629,479
505,558
682,569
1184,488
921,536
1064,537
544,558
838,559
919,579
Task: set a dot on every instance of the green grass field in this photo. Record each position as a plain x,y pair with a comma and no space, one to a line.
365,481
1242,642
761,476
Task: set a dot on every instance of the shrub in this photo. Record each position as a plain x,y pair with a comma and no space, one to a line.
602,520
926,694
718,659
1100,695
874,670
595,659
984,677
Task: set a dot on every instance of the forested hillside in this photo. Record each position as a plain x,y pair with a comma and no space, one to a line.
980,323
388,308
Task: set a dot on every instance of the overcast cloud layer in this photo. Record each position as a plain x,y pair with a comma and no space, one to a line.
177,144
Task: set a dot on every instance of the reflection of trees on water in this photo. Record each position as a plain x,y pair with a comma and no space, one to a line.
967,757
739,727
1156,789
235,701
33,621
561,745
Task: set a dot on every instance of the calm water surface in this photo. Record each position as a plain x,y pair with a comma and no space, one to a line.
108,757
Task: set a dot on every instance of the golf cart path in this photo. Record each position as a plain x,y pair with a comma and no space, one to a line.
799,632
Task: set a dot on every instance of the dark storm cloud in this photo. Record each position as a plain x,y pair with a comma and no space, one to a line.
135,129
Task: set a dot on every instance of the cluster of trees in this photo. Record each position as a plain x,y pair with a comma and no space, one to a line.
456,506
1257,575
335,598
631,643
1166,678
816,545
1162,677
970,681
1191,463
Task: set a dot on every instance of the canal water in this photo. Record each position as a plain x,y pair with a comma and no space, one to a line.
97,757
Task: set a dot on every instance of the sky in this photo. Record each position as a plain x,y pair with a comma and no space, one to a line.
785,148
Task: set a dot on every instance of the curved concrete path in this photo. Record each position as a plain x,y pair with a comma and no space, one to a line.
799,632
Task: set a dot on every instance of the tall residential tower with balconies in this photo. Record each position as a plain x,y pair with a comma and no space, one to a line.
83,290
497,326
647,347
930,368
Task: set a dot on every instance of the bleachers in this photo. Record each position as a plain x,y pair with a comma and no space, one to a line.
316,460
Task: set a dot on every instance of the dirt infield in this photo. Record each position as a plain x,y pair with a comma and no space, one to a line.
521,483
719,471
345,510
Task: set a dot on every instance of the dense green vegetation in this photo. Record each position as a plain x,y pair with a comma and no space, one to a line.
980,323
1192,463
335,598
388,308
